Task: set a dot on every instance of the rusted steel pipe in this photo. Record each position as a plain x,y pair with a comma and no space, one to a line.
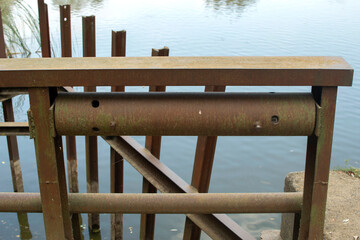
161,203
209,114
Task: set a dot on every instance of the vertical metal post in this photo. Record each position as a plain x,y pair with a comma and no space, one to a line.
13,150
153,144
50,164
11,140
2,39
65,29
116,160
204,158
318,165
44,29
66,51
92,175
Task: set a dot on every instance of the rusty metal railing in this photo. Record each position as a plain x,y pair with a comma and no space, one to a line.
56,110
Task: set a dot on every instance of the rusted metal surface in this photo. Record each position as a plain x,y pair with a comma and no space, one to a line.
9,118
209,114
177,71
153,144
13,91
92,172
2,39
164,203
116,186
50,165
65,30
116,161
44,29
118,43
14,128
8,93
318,165
217,226
204,158
89,45
72,170
13,150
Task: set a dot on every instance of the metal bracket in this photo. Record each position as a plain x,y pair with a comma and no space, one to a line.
52,121
32,130
319,119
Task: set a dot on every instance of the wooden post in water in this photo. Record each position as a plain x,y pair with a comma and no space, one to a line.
153,144
92,175
66,51
116,160
204,158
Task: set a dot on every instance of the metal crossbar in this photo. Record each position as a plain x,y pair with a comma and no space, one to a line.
207,115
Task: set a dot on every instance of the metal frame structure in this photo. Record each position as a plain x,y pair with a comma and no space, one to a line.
56,110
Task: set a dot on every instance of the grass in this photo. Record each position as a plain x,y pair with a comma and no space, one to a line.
348,169
14,23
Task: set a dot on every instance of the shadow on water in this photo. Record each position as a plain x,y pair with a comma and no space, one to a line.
237,6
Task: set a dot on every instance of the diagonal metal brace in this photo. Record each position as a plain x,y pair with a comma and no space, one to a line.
217,226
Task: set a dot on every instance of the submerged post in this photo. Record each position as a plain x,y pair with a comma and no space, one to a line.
66,51
92,175
204,158
153,144
116,160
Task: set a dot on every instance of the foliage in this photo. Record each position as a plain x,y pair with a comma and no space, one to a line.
18,15
350,170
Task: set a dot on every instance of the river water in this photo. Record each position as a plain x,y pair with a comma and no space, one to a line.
209,28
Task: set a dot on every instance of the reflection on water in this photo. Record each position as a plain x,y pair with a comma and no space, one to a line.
78,5
203,28
229,5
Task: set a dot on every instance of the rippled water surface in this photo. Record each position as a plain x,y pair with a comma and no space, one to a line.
210,28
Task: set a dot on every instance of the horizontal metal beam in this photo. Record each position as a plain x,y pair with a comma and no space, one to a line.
13,91
176,71
3,98
14,128
217,226
161,203
206,114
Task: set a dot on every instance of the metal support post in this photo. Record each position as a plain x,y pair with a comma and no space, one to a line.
50,164
116,160
318,165
92,175
66,51
44,29
204,158
153,144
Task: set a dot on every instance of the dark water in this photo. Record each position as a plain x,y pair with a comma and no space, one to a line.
210,28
